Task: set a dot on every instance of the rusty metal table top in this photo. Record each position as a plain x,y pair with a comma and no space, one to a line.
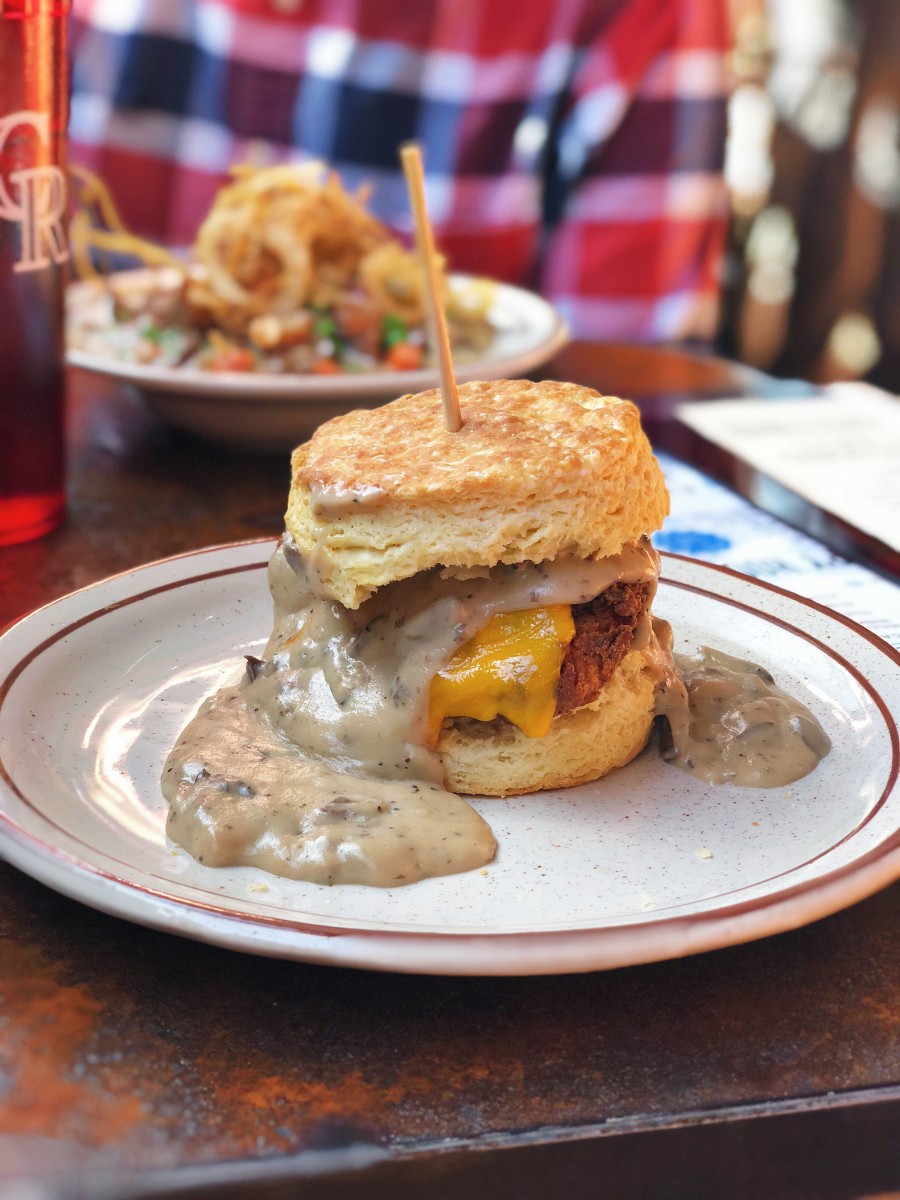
774,1066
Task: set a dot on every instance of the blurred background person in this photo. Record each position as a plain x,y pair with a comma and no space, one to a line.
572,146
813,167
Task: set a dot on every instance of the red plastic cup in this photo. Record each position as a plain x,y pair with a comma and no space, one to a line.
34,105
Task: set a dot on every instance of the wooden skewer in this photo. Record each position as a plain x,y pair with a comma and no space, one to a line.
411,157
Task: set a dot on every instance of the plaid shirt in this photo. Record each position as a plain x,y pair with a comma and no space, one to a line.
574,146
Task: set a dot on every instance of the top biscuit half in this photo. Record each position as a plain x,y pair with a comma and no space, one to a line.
537,470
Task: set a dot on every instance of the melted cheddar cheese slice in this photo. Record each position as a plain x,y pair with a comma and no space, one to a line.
510,668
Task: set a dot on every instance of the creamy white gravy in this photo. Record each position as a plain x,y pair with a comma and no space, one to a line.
240,795
314,765
731,723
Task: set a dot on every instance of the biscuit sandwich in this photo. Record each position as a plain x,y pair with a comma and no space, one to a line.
527,531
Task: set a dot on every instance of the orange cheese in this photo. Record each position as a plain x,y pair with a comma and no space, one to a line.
510,668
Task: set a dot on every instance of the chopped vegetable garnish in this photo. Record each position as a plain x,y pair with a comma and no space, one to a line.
393,330
325,327
230,358
404,357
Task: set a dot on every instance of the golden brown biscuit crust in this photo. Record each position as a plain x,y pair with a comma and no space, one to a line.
537,469
515,434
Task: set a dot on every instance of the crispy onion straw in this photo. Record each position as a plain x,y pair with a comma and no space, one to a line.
280,238
97,225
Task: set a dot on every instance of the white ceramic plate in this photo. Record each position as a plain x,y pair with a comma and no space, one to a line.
645,865
276,412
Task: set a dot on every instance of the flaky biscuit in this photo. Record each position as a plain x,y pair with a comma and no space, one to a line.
537,470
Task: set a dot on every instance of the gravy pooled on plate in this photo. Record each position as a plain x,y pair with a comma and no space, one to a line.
313,766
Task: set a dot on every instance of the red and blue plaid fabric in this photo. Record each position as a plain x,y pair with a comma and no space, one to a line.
574,146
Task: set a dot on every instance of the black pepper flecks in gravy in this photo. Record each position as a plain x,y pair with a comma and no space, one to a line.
315,766
240,795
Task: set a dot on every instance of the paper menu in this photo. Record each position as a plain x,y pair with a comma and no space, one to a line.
840,451
711,522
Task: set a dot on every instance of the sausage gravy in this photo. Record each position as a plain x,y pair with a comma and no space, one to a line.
315,765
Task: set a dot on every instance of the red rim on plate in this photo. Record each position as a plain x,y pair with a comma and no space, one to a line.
728,922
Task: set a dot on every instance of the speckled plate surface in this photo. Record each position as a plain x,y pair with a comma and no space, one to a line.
276,412
645,865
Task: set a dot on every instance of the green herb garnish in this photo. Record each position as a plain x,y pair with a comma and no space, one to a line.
393,330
